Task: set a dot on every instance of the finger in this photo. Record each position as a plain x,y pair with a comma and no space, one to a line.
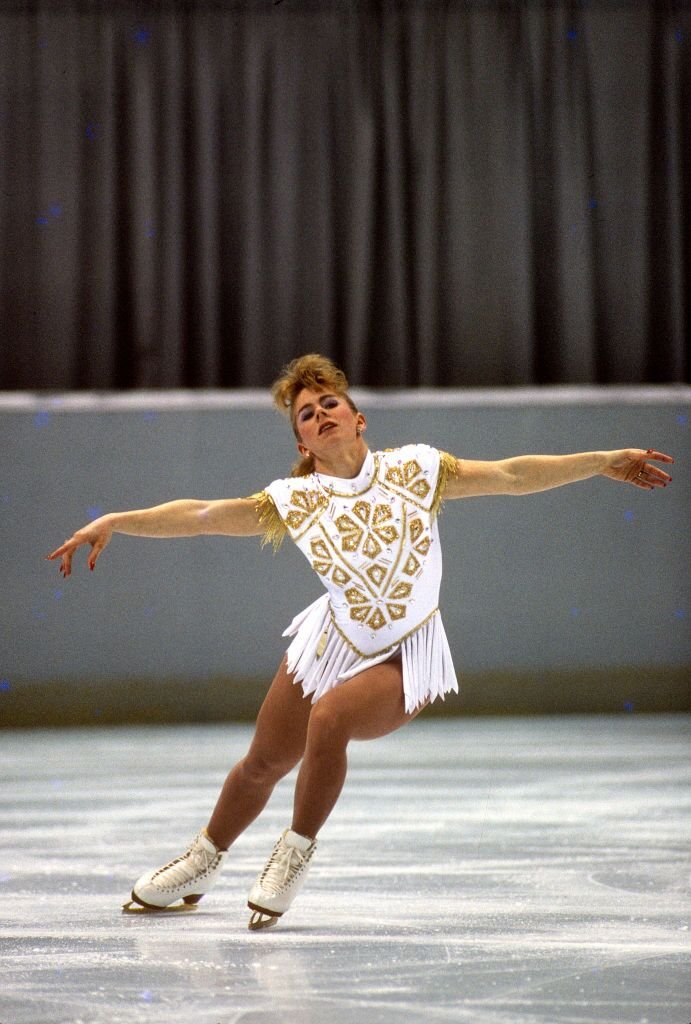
96,550
71,542
649,485
655,475
58,551
658,456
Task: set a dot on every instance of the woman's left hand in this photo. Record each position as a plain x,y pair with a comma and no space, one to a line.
633,466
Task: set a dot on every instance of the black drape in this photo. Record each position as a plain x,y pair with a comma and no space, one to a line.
468,193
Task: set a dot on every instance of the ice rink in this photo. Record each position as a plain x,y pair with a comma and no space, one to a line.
495,871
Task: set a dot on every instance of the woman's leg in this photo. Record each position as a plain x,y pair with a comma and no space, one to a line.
363,708
277,746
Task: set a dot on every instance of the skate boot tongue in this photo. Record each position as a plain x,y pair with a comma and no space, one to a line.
208,844
301,843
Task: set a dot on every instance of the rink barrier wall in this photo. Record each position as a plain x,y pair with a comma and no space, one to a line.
75,703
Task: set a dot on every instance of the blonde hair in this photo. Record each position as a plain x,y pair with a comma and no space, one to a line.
315,372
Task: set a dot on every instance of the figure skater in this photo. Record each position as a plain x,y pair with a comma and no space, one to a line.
368,655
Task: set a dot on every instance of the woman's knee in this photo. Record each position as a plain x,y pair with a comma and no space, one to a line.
262,769
328,729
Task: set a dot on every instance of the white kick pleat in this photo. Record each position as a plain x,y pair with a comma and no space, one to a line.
428,670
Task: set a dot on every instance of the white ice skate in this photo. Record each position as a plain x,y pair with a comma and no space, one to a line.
281,880
186,878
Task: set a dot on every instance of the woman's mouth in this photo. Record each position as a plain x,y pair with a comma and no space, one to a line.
325,426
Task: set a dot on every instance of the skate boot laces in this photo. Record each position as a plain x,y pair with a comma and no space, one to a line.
195,863
284,865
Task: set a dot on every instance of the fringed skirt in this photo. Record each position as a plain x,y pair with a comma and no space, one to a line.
428,670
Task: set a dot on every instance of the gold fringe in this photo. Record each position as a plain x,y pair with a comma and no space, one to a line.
448,466
274,527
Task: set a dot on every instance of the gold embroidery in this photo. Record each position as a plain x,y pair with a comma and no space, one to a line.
401,546
362,511
320,549
416,528
307,502
345,524
301,499
362,611
362,608
387,533
406,477
351,542
420,489
295,519
353,534
352,568
395,476
323,563
411,566
371,547
377,573
313,500
411,469
376,619
359,614
389,647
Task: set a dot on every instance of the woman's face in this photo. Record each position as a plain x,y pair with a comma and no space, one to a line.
324,420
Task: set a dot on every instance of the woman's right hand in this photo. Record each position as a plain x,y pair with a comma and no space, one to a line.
97,534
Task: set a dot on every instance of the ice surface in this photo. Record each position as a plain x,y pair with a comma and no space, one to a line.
494,871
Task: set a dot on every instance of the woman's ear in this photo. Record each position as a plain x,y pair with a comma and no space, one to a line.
361,423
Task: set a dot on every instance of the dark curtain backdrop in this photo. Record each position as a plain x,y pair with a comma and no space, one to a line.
468,193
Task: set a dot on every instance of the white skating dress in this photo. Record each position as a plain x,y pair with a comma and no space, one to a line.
374,542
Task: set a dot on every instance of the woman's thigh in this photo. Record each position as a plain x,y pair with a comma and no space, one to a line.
370,705
281,728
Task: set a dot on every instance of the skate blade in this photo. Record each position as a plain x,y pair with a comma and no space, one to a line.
132,907
260,920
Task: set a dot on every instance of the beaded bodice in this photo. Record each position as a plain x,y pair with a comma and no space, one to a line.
373,540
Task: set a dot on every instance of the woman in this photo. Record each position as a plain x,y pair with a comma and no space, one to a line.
371,652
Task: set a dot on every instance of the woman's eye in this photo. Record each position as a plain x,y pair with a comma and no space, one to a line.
330,403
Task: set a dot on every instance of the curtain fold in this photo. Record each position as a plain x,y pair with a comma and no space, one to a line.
449,194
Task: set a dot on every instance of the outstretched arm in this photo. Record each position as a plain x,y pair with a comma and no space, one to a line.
527,474
235,517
